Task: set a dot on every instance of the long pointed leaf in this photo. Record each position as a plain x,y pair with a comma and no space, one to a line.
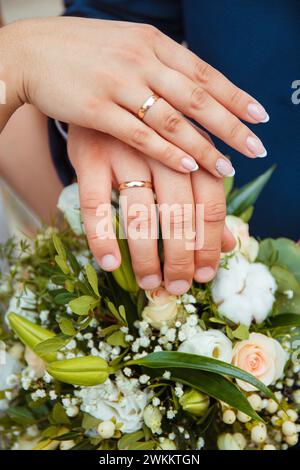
174,359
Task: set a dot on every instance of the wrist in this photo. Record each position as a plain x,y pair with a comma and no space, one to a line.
12,94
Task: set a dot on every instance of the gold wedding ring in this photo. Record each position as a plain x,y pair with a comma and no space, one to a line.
147,105
135,184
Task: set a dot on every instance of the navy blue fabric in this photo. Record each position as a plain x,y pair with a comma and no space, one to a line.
255,43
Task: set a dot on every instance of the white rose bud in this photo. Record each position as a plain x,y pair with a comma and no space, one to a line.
246,245
167,444
106,429
66,445
162,308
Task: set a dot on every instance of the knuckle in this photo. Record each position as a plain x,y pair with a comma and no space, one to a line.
149,31
207,153
167,155
215,211
198,98
181,264
237,97
132,55
202,72
235,130
145,264
139,137
171,121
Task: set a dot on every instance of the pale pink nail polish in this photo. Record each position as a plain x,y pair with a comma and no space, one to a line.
109,263
224,167
150,282
178,287
189,164
205,274
258,112
255,146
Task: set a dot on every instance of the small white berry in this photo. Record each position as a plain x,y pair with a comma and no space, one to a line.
240,439
292,414
292,440
66,445
259,433
72,411
272,406
229,417
255,401
242,417
106,429
289,428
269,447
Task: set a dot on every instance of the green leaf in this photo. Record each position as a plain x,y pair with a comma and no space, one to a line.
58,279
285,279
61,262
245,197
285,319
174,359
20,415
228,185
117,339
68,436
217,387
247,214
242,332
59,246
119,314
48,348
58,415
89,422
284,251
149,445
64,298
83,305
67,327
128,440
74,263
92,278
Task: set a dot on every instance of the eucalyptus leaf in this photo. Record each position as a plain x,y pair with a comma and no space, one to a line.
285,319
242,332
283,252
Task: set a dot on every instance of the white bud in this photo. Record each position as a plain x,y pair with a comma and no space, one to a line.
272,406
292,440
66,445
289,428
242,417
106,429
292,414
255,401
269,447
259,433
72,411
296,396
229,417
240,439
167,444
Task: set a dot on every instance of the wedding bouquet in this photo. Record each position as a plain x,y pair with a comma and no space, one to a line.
90,361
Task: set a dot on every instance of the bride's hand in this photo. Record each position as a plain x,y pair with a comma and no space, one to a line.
101,162
98,74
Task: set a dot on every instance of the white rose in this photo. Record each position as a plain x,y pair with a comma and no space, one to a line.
162,308
125,402
211,343
153,418
246,245
244,292
69,204
260,356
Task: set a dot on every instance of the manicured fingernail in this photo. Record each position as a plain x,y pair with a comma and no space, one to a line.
109,263
224,167
150,282
205,274
178,287
258,112
189,164
255,146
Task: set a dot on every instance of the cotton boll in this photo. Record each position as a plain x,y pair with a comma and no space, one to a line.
231,280
237,308
259,276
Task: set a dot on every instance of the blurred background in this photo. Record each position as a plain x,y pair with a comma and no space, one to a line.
15,218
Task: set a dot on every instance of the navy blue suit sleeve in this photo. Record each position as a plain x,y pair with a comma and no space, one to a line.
166,15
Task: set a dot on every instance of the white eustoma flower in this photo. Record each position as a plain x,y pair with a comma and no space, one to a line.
9,366
69,204
210,343
243,291
245,244
23,303
122,400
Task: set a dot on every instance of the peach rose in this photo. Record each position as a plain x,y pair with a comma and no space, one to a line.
246,245
260,356
35,362
162,308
